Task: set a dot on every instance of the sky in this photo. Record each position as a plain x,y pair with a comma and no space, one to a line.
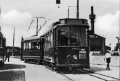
19,14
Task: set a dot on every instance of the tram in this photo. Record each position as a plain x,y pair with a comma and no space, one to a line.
66,44
32,49
61,44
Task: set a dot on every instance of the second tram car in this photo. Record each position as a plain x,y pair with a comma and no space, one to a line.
32,49
62,44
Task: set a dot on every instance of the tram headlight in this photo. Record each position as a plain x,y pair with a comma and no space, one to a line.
75,57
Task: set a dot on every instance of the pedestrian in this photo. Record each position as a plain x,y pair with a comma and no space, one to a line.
8,55
108,59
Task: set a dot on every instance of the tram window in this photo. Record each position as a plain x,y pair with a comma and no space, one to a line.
24,46
29,45
74,36
78,36
35,45
1,42
63,35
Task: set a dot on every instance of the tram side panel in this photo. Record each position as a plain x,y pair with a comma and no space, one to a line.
49,49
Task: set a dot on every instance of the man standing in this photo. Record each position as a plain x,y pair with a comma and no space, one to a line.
108,59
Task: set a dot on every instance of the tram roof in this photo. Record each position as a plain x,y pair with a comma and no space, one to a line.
50,25
43,30
31,38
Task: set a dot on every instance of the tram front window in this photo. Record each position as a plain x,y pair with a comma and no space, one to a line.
78,36
72,36
63,36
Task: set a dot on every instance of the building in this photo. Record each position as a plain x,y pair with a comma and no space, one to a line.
13,51
96,42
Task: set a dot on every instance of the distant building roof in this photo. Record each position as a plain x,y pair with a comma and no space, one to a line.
96,36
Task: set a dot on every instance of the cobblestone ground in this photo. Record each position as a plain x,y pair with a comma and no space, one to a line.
98,64
16,70
115,60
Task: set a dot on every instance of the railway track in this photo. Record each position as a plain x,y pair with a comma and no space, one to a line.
100,77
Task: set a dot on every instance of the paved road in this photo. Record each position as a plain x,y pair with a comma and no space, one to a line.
17,70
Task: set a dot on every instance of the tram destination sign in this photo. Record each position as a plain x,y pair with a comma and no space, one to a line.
74,21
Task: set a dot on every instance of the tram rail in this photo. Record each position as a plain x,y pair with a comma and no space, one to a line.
99,76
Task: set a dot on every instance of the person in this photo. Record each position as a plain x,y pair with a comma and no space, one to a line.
108,59
8,55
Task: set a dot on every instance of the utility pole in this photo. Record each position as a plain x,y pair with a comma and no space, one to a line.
37,27
13,42
21,54
118,38
68,12
77,14
77,8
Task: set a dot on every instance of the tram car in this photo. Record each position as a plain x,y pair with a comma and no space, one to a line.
61,44
31,49
2,49
66,44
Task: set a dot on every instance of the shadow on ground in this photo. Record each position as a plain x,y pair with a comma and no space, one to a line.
12,72
96,69
11,66
12,75
82,71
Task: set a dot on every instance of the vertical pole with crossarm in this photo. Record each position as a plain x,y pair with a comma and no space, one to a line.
37,27
118,38
77,9
13,42
77,14
22,48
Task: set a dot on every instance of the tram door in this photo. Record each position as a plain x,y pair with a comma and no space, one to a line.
41,50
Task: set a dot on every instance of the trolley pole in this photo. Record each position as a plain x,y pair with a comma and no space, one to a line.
37,28
37,25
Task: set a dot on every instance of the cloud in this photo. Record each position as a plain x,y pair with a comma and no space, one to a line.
109,1
17,19
115,1
108,26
